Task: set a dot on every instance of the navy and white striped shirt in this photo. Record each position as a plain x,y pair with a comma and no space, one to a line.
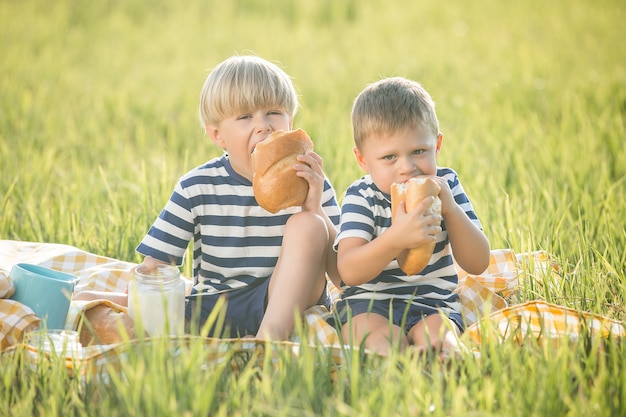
366,214
236,242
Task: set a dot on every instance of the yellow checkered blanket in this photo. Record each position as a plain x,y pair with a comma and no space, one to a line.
484,298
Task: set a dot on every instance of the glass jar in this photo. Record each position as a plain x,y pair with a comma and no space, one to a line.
156,300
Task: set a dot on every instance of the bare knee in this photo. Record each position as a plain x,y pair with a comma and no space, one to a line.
374,333
435,332
306,223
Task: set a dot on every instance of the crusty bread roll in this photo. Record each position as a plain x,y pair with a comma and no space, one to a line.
100,324
274,182
412,192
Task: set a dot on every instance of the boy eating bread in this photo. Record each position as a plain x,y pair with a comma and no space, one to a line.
267,267
397,139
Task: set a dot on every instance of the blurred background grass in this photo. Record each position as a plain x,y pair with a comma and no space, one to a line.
98,112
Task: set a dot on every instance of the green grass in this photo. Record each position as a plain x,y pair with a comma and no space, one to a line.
98,118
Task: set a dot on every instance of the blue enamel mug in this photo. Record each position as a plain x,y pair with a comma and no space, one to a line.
46,291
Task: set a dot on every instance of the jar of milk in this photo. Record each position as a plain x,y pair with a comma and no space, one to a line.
156,300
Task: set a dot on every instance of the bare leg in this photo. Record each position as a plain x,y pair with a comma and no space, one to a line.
435,333
379,335
299,278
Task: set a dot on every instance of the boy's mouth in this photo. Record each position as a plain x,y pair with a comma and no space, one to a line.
255,145
403,180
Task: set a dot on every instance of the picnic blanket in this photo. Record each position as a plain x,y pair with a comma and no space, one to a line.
485,297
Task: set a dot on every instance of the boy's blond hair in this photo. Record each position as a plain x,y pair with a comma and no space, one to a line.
390,106
245,83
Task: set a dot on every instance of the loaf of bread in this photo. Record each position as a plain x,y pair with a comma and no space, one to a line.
412,192
105,324
274,182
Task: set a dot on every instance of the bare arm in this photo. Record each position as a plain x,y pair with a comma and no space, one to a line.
359,261
120,298
470,246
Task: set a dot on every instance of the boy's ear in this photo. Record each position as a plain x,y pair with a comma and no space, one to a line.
213,132
439,141
359,159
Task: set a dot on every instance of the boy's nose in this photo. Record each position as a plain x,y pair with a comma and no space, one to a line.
407,165
263,125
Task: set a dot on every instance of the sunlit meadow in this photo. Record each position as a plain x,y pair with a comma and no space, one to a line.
98,118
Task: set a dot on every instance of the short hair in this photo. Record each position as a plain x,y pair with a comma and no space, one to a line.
390,106
242,84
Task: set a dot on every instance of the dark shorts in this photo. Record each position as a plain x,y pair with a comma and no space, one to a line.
242,313
403,315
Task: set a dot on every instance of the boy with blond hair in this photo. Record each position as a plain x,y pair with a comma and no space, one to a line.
268,267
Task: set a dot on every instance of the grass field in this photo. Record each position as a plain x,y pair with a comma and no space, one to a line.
98,118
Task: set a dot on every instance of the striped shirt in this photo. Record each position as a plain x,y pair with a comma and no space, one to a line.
366,214
236,243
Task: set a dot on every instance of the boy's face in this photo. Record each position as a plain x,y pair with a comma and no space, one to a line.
399,157
239,134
